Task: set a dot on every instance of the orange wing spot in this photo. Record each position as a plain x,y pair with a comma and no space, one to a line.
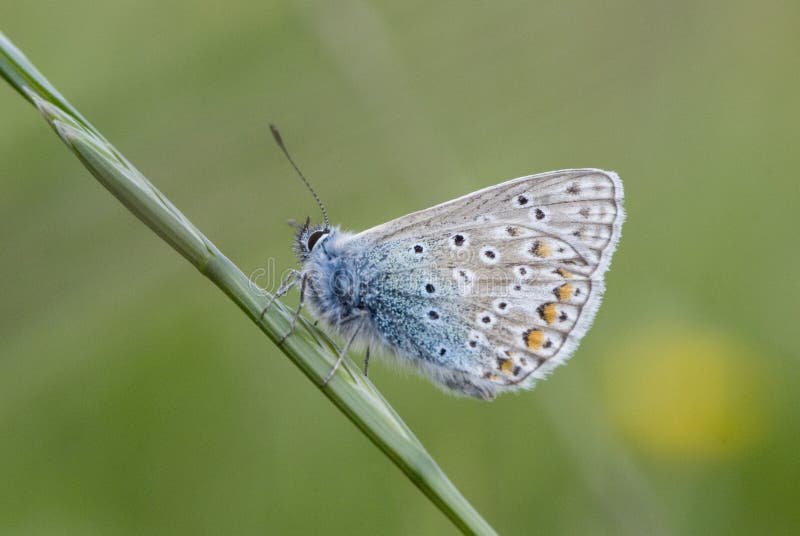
541,249
564,292
534,339
563,273
548,313
506,366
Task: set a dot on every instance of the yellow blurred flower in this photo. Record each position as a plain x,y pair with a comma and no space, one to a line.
686,393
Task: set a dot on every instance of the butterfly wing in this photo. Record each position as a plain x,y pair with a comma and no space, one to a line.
499,286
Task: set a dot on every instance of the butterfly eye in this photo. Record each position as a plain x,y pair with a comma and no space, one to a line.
314,238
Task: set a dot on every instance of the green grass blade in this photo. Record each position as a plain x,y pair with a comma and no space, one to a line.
308,348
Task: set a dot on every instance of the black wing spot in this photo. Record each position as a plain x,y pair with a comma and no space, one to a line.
442,351
433,315
539,214
418,249
522,200
458,240
430,288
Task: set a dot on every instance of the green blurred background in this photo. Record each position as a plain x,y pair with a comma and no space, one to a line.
135,398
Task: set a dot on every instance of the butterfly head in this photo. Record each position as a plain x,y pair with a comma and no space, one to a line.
308,237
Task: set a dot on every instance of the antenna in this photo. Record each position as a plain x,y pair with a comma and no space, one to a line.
277,135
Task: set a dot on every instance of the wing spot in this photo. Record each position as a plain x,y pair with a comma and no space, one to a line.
505,365
533,339
563,316
442,351
430,289
489,255
563,273
547,312
574,189
463,275
539,213
418,249
501,306
433,315
485,318
522,200
459,240
475,338
564,292
512,231
541,249
547,344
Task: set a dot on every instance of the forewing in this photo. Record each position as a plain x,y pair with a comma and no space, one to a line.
583,203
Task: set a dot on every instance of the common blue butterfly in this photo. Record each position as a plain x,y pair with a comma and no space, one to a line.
483,294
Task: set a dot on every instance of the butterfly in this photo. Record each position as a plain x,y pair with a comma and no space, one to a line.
484,294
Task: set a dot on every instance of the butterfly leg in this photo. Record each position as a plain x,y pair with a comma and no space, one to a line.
343,353
296,315
287,283
366,363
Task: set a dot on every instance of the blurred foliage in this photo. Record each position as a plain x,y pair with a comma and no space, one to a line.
133,396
